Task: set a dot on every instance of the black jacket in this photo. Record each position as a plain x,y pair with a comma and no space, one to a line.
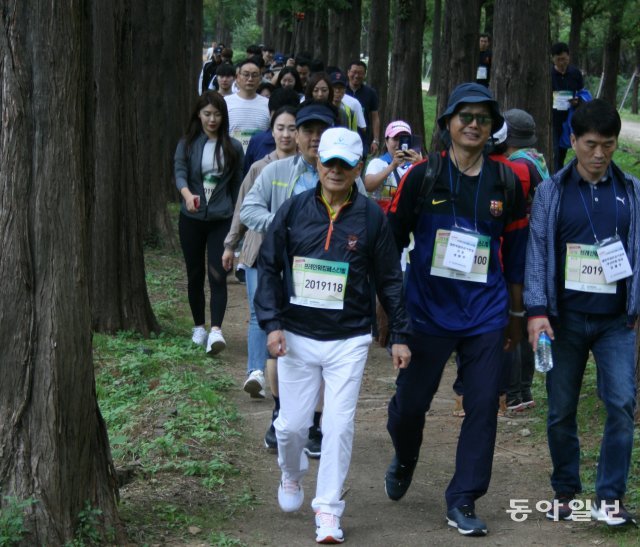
302,227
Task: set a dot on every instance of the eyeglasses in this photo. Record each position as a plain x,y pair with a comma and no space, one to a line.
250,75
481,119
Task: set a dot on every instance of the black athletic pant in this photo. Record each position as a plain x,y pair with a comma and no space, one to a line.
196,237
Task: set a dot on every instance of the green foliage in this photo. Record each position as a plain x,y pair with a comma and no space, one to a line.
220,539
88,527
12,528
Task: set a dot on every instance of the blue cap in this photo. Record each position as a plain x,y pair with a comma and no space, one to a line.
279,58
338,78
315,112
472,93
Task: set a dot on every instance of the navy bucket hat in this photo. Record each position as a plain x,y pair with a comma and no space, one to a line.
472,93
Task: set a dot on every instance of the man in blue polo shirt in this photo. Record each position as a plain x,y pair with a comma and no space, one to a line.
581,288
566,81
368,98
458,297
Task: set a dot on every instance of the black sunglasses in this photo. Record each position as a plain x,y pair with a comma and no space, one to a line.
481,119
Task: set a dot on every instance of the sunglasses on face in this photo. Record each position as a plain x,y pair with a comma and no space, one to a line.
337,162
481,119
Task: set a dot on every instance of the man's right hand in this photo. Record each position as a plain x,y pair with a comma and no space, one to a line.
276,343
535,326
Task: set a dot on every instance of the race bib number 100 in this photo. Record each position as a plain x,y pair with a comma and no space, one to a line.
460,259
319,283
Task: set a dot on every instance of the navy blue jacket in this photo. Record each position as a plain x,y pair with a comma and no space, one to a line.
302,227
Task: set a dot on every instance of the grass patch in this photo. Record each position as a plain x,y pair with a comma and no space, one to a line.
173,430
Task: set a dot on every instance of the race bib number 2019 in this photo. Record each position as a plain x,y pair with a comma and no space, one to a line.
319,283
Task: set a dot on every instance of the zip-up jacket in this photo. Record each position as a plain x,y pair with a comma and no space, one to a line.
272,188
303,227
541,275
188,174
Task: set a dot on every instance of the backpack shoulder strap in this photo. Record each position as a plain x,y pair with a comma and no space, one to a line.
507,182
431,173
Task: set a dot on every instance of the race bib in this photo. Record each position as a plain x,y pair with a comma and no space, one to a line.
453,253
482,73
614,260
244,136
583,270
561,100
319,283
210,182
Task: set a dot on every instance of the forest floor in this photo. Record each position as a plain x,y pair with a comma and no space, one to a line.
520,471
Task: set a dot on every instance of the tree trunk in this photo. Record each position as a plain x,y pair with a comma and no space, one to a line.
119,299
405,97
520,71
577,18
334,43
636,83
53,441
378,68
611,58
435,48
321,35
459,53
347,33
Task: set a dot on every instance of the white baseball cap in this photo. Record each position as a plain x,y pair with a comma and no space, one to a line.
338,142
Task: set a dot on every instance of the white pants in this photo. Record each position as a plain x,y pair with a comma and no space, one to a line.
340,363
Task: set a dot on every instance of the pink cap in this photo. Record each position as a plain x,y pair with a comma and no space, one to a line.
397,127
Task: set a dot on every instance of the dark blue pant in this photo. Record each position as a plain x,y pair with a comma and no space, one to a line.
480,368
613,345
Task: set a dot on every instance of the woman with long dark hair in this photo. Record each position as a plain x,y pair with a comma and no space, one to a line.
289,77
208,173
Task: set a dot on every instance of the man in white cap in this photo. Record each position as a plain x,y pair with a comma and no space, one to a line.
325,252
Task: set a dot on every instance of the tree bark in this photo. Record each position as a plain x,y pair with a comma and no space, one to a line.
436,47
520,70
53,441
347,33
577,18
611,58
321,35
459,54
119,299
378,67
334,43
636,83
405,97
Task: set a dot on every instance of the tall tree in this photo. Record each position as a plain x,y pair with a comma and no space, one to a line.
53,440
321,34
436,45
119,299
577,18
520,68
378,68
346,33
405,97
459,53
611,58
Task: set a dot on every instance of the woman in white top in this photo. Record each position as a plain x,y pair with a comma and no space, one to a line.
383,174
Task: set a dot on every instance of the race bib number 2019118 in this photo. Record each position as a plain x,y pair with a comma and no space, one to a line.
319,283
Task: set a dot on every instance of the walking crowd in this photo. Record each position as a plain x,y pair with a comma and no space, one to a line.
345,233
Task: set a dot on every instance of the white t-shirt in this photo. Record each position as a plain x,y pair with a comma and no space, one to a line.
247,117
354,105
389,186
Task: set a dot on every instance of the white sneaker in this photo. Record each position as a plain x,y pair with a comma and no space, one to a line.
254,385
215,343
328,529
199,336
290,495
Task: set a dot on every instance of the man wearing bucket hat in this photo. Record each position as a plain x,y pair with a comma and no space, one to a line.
457,296
323,254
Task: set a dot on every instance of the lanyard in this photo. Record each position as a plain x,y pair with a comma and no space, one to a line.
586,209
454,196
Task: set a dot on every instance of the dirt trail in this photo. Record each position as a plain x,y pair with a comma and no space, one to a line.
520,471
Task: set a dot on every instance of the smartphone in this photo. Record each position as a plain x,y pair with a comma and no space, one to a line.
404,142
196,202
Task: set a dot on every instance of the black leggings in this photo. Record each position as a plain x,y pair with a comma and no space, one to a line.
196,236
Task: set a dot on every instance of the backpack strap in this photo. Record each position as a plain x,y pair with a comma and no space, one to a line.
431,174
372,232
507,182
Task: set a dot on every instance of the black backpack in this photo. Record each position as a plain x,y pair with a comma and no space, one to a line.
208,74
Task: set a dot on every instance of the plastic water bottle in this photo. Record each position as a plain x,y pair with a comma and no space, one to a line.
544,359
